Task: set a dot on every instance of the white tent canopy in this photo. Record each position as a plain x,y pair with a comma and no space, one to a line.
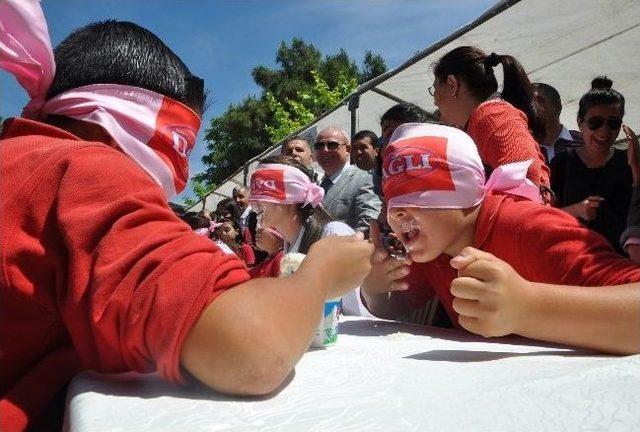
564,44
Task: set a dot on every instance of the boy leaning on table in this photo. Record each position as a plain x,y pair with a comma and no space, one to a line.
97,271
499,261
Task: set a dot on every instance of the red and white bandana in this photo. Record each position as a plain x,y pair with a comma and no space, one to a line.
284,184
154,130
438,167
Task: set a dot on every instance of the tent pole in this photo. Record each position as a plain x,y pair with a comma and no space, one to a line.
354,103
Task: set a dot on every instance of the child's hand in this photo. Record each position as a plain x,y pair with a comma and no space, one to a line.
490,296
343,261
632,153
387,273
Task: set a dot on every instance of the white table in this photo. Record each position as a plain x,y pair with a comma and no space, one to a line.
388,376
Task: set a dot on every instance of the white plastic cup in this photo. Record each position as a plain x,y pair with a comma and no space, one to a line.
327,330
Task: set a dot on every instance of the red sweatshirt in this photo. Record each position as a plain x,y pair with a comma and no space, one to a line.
501,133
541,243
97,271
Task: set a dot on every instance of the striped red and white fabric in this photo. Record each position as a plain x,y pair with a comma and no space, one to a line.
154,130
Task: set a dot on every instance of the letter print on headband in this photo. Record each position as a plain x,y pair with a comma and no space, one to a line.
269,182
416,159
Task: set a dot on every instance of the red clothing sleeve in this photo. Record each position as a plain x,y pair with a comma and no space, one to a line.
138,278
501,133
555,248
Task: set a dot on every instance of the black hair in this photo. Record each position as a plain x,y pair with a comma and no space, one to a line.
550,93
475,68
297,138
195,220
406,113
118,52
367,134
601,93
228,205
313,219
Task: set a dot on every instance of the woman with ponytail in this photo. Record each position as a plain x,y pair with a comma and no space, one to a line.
594,182
504,126
286,199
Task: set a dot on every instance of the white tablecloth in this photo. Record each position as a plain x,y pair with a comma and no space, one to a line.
388,376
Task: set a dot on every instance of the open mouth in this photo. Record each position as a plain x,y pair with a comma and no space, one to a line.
409,232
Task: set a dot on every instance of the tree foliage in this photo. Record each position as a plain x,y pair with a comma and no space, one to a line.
301,87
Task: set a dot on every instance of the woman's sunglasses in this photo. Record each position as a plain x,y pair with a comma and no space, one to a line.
595,123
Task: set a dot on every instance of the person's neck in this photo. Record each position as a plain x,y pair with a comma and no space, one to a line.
466,106
595,157
291,230
467,234
84,130
553,131
335,171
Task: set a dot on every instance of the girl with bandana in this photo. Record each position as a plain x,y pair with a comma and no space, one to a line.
498,260
285,198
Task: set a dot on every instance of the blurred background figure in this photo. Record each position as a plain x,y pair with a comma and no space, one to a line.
365,150
348,191
557,138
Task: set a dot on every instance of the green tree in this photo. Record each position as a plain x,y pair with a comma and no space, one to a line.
301,87
201,190
296,113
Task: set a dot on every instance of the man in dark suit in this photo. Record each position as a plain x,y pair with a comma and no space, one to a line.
349,195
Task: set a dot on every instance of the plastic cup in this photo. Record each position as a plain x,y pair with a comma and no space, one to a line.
327,330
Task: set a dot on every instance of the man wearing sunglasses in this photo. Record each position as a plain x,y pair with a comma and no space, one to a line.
349,195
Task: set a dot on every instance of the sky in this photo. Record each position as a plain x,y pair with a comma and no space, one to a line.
223,40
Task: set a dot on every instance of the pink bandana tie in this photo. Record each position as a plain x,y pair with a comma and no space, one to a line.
154,130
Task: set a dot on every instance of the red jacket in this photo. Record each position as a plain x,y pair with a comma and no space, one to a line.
541,243
97,271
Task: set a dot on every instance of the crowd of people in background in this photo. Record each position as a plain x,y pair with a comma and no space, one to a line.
487,215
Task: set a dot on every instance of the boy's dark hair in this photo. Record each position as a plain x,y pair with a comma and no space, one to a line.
601,93
117,52
313,219
195,220
550,93
297,138
475,68
366,134
406,113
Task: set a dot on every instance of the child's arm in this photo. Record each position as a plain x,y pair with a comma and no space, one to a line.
249,339
494,300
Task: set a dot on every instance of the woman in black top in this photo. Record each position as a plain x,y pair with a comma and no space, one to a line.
594,182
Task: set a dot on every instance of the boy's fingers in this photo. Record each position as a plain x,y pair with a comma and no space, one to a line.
469,255
399,286
467,308
481,270
467,288
374,233
471,324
